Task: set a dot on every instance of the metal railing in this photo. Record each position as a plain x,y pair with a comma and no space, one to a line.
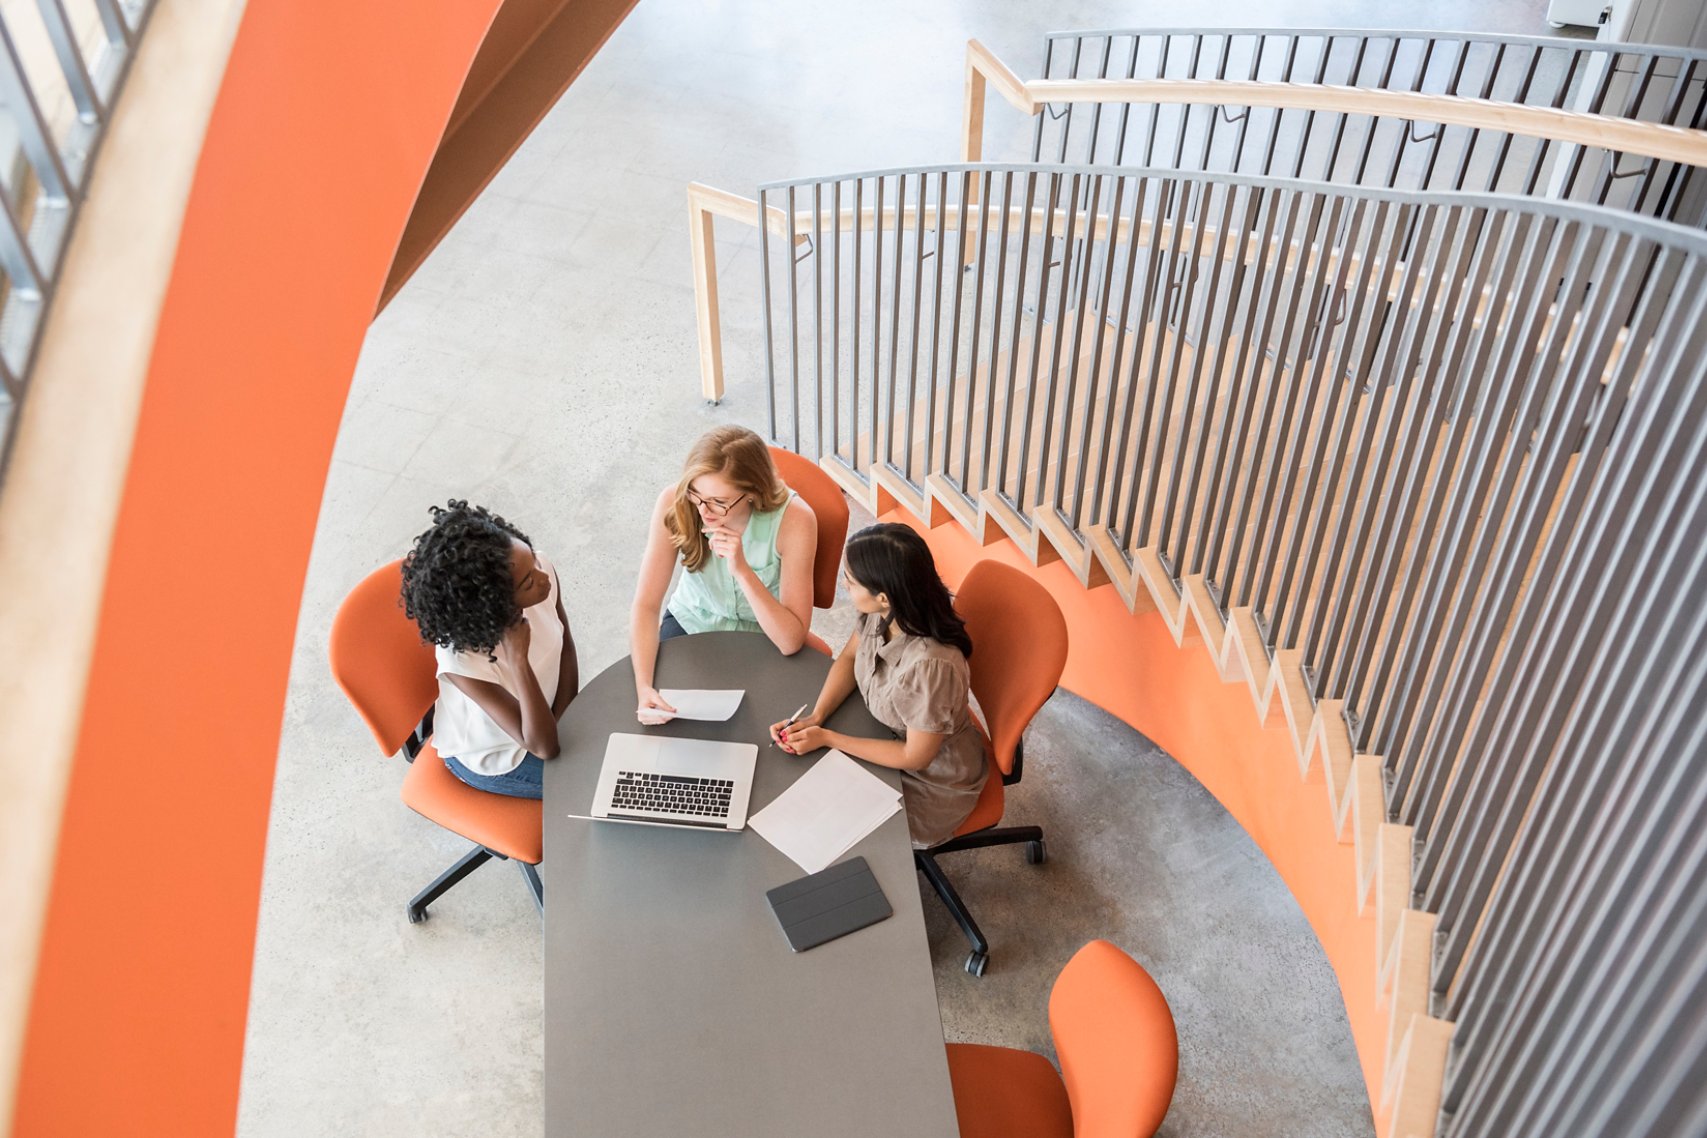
1445,448
60,73
1642,83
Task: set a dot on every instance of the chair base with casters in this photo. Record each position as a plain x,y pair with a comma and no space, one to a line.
429,785
1019,641
978,832
471,861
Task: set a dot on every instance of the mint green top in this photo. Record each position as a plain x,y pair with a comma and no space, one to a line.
711,601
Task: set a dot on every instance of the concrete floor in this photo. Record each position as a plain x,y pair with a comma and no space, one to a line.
543,362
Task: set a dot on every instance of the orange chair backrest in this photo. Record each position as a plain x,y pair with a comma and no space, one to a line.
827,501
379,660
1115,1038
1019,646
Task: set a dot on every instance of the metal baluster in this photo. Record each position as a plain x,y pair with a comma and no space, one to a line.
936,326
1280,208
878,439
1455,75
794,319
974,358
967,179
899,230
765,306
1000,485
855,308
1150,314
71,63
1475,133
1116,388
1020,500
1071,240
1126,108
1154,419
1094,375
34,134
919,209
835,322
1156,108
996,324
818,315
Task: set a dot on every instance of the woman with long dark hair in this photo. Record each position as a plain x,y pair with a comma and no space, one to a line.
907,656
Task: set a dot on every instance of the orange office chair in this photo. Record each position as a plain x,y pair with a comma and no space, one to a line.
1019,646
820,491
1119,1059
391,677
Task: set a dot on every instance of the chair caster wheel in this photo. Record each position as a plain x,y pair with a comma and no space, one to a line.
1036,853
976,963
416,917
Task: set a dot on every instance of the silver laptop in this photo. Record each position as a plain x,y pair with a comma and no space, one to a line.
675,782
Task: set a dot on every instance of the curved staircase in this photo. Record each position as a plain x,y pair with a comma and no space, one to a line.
1416,470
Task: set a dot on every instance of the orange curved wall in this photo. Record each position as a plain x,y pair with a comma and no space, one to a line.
326,122
1129,666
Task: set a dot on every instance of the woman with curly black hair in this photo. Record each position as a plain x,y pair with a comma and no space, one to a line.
490,605
907,656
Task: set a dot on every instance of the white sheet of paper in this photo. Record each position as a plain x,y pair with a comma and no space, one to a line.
827,810
700,703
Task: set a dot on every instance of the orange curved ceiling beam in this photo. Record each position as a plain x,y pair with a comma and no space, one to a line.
326,122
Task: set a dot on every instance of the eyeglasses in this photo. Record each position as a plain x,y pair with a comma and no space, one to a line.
715,505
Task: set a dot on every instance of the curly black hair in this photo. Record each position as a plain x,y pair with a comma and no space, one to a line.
456,581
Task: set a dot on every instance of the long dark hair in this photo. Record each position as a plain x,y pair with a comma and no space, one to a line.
893,559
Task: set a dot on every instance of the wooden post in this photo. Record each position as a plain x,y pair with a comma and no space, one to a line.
701,237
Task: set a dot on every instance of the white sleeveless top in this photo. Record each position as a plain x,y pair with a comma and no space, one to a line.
461,727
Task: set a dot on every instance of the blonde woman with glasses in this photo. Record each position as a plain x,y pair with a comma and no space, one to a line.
745,543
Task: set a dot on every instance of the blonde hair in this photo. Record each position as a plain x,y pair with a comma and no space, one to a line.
738,455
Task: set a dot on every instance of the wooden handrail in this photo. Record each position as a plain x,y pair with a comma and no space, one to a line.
1628,136
705,203
986,71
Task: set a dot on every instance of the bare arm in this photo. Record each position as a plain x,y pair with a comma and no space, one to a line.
838,685
784,619
568,667
524,716
657,565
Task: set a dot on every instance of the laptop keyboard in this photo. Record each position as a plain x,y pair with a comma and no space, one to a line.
672,794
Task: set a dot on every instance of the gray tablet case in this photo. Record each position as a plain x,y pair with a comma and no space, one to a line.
828,904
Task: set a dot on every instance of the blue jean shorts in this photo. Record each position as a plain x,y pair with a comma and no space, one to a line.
526,781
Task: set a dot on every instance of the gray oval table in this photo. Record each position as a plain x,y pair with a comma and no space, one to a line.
673,1004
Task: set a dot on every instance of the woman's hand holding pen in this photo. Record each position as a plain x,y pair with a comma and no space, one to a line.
800,735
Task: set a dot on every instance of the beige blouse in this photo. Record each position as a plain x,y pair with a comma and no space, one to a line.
919,683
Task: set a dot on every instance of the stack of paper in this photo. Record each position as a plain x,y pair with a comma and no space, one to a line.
826,812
